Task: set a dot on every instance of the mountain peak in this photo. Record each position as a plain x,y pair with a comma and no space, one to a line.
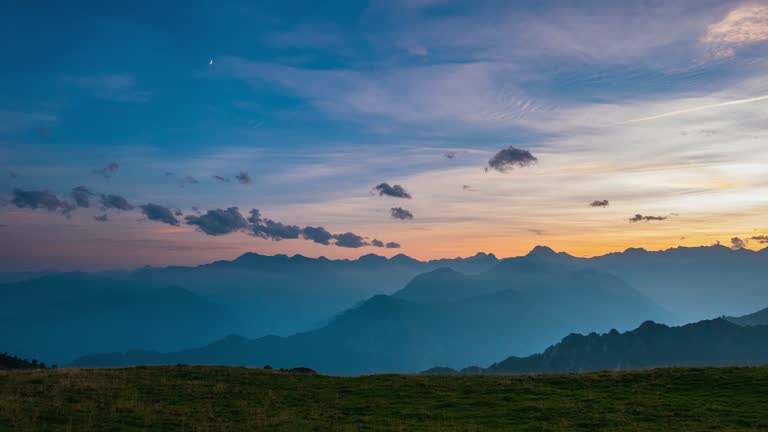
635,250
403,259
482,255
542,251
547,253
372,258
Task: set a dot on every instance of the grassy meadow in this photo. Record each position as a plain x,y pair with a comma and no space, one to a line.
185,398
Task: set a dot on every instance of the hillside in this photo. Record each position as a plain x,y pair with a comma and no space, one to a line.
715,342
238,399
754,319
444,317
693,282
12,362
62,316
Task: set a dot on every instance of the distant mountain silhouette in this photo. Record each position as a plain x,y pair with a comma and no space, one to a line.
8,361
754,319
443,317
716,342
283,295
12,277
464,310
694,283
60,317
66,315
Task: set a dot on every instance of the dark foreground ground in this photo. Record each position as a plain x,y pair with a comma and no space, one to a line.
237,399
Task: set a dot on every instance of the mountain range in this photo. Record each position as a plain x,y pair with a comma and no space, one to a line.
384,314
717,342
443,317
59,317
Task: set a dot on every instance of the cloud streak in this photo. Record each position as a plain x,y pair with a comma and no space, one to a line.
40,199
640,218
82,196
156,212
696,109
400,213
108,170
243,178
219,221
117,202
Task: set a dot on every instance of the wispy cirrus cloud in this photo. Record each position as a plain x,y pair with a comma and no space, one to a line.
412,95
746,24
16,121
108,170
113,87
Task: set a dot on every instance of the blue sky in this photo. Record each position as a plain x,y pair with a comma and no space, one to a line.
653,105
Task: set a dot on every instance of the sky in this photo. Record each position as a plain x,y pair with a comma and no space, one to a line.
434,128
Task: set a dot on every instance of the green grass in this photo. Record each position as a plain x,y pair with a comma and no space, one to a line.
238,399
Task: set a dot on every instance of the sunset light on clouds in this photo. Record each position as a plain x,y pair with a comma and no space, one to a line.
301,115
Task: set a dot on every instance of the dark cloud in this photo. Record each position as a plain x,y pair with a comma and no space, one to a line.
450,155
13,174
317,235
40,199
159,213
117,202
182,181
221,179
737,243
195,209
400,213
82,196
510,158
178,212
395,191
102,218
243,178
599,203
349,240
108,171
762,239
219,222
640,218
381,244
272,230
